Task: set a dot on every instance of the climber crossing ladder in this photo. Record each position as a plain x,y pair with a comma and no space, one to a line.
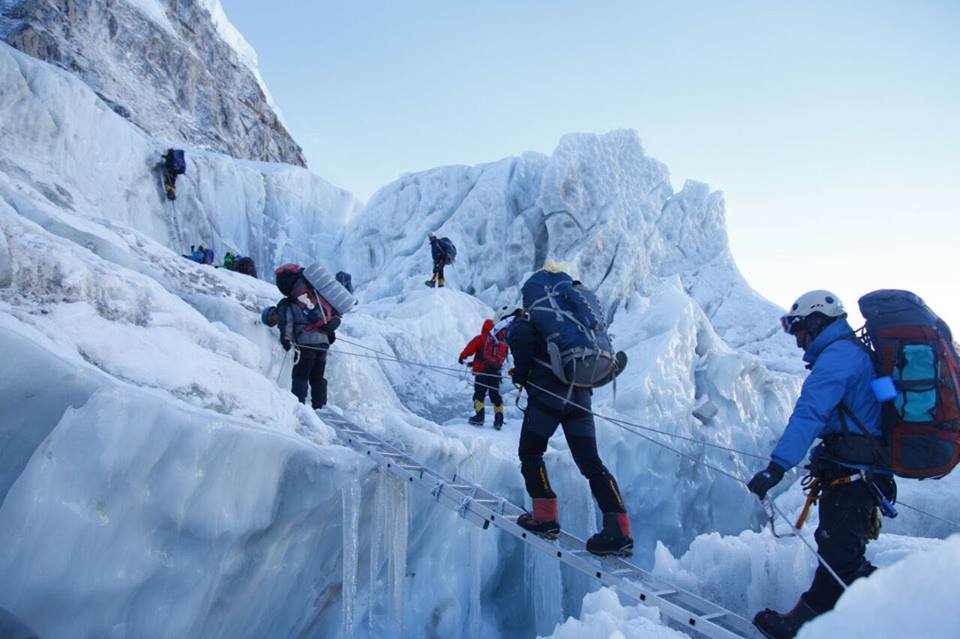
485,509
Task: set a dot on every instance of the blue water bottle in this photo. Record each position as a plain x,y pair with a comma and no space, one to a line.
884,388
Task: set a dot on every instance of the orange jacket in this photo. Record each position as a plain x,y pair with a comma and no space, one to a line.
475,347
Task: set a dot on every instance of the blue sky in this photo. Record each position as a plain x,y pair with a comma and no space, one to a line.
833,131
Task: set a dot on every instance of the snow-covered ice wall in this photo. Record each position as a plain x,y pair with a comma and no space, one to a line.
157,480
71,149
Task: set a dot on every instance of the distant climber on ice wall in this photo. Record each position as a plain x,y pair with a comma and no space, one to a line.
172,164
444,253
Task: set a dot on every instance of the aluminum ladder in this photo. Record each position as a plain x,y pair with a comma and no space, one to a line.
485,509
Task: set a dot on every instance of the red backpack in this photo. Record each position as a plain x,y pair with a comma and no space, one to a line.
914,347
493,351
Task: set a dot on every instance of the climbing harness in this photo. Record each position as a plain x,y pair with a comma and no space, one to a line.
813,487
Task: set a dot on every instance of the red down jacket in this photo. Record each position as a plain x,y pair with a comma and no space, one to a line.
488,351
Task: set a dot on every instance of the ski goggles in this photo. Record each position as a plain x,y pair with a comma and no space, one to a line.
792,323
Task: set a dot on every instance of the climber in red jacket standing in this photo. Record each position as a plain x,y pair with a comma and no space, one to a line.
489,351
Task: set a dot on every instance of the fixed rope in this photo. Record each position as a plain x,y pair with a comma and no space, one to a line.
622,423
635,429
628,426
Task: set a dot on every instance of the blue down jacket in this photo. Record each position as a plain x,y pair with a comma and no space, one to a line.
842,372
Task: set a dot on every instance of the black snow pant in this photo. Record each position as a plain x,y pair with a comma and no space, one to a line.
487,382
438,271
539,424
849,519
309,370
169,181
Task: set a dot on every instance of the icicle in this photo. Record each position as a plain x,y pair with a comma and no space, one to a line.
474,620
399,525
351,553
376,548
543,583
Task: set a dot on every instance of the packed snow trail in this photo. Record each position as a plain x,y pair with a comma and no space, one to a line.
484,509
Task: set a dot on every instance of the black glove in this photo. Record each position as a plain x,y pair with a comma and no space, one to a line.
332,325
765,480
460,360
285,343
332,336
516,378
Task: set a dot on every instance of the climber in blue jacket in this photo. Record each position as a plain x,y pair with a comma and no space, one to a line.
836,405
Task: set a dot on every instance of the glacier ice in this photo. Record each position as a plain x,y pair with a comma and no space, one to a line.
351,553
158,479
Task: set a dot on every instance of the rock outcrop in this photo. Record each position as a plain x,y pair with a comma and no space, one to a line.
162,64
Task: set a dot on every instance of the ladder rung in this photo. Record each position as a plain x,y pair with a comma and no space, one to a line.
712,615
682,607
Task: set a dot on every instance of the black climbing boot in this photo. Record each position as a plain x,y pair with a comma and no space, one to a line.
498,419
477,420
784,626
431,282
614,539
543,521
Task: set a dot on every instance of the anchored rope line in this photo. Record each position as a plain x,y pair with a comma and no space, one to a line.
635,429
626,425
630,428
823,562
930,515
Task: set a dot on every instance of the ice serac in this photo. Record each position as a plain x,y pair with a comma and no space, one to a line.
177,69
598,204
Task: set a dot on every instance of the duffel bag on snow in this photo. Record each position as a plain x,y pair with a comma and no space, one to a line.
569,317
329,288
246,266
914,346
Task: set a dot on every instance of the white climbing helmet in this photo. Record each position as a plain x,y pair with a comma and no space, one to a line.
818,301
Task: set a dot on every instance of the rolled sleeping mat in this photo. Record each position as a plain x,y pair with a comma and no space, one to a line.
327,285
